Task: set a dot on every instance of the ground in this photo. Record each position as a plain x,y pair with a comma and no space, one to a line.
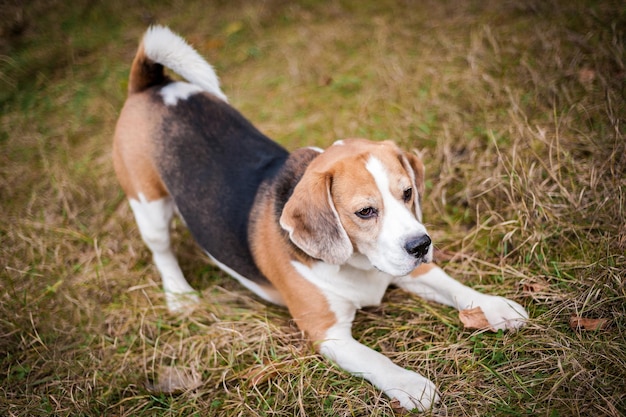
517,107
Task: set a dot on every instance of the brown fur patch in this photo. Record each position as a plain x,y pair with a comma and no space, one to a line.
133,149
273,254
144,73
422,269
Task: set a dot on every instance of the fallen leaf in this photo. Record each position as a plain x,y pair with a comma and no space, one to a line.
397,407
586,75
233,27
583,323
214,43
474,318
174,380
534,287
325,80
259,375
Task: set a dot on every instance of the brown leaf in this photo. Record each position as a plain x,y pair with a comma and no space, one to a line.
474,318
397,407
174,380
214,43
325,80
534,287
259,375
586,75
584,323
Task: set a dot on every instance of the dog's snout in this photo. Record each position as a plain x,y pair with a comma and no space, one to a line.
419,246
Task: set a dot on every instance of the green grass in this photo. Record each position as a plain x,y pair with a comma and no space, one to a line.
519,110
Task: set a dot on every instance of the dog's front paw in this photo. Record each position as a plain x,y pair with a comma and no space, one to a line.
502,313
411,390
181,302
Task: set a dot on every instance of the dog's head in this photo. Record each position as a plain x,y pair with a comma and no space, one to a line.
361,197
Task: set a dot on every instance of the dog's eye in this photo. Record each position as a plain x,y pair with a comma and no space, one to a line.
408,193
367,213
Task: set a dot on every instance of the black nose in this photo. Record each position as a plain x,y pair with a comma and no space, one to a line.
419,246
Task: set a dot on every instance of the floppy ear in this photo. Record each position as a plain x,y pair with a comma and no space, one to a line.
415,167
312,221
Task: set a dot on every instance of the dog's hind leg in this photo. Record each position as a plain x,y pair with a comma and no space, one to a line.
151,203
154,219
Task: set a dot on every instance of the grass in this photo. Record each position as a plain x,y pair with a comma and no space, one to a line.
519,109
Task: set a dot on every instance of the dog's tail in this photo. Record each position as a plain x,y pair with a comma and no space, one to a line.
160,48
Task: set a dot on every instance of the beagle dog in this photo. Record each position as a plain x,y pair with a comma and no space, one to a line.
322,232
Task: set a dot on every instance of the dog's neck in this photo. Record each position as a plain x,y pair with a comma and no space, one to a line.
360,261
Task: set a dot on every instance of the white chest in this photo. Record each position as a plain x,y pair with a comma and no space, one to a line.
362,288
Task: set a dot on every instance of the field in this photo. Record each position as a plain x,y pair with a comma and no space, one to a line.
519,109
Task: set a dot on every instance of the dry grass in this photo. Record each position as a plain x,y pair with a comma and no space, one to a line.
519,109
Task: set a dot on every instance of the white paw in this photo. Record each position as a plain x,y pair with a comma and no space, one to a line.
502,313
181,302
412,390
